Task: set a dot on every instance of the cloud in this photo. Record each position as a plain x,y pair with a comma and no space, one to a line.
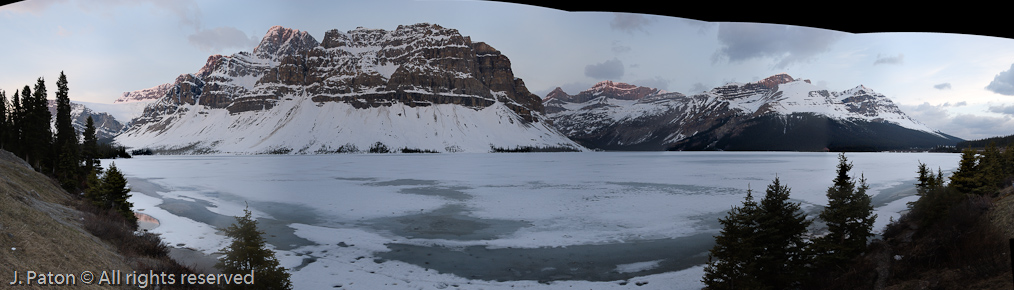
967,126
608,70
1003,83
890,59
943,86
630,22
784,44
1002,109
221,39
702,26
958,104
620,48
698,88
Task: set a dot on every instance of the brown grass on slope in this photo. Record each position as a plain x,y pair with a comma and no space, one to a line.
41,231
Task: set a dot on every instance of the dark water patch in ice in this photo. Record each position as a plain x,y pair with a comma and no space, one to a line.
893,193
709,221
356,178
454,193
277,230
403,182
145,186
578,262
679,188
735,161
196,210
449,222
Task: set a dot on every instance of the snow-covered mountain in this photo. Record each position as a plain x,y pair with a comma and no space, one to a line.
106,126
419,86
776,113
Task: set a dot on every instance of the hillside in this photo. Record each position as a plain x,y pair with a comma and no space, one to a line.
41,231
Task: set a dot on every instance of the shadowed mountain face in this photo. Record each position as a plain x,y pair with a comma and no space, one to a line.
776,113
106,126
413,66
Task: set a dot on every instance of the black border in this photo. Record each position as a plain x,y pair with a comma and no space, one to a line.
852,17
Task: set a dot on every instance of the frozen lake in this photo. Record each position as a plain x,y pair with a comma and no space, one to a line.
597,220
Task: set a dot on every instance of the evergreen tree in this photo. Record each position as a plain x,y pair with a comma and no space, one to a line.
849,217
66,144
36,133
248,252
989,171
110,192
93,188
964,179
14,135
926,179
89,146
732,261
782,262
761,246
4,125
114,188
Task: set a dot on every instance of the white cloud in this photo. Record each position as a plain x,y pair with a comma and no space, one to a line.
1002,109
1003,82
890,60
966,126
630,22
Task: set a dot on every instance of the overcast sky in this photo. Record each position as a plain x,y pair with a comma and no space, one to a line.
960,84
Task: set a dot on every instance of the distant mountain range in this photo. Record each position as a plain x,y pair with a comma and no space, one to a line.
776,113
106,126
428,88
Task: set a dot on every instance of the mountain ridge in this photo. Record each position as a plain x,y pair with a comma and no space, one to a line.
672,121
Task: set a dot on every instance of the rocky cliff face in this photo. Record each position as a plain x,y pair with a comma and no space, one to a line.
417,65
413,66
148,94
673,121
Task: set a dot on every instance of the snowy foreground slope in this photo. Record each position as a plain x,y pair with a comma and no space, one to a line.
776,113
420,86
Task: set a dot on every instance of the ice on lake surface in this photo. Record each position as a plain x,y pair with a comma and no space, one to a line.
537,220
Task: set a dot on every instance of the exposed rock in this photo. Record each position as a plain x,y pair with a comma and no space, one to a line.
416,68
415,64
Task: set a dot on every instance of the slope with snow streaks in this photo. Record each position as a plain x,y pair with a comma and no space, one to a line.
305,126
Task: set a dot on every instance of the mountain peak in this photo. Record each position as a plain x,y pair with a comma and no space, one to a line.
557,93
860,89
778,79
280,40
618,90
